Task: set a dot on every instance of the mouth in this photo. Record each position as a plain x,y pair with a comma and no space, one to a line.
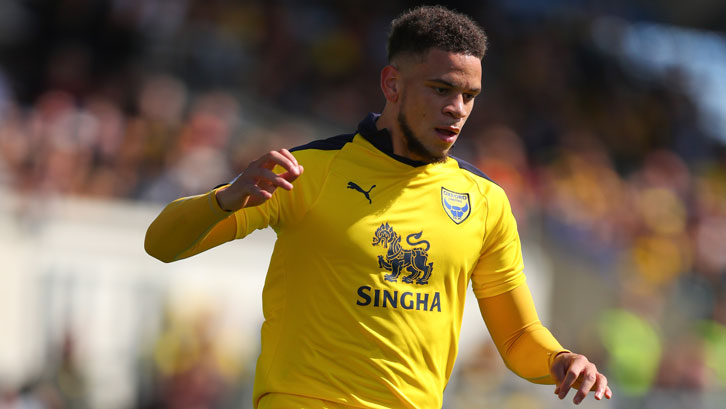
447,134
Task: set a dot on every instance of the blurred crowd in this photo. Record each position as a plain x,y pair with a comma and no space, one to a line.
150,101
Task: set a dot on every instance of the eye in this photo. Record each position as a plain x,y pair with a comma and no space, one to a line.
440,90
469,97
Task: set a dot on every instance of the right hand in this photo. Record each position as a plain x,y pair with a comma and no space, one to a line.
258,182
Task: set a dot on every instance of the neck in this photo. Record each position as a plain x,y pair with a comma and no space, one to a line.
388,120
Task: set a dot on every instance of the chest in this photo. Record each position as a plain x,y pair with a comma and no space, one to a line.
405,224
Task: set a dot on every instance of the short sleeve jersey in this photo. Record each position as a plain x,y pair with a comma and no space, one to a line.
365,291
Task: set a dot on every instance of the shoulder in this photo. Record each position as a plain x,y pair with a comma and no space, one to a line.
490,189
334,143
318,156
321,151
472,170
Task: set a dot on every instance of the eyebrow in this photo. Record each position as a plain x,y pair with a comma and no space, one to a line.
448,84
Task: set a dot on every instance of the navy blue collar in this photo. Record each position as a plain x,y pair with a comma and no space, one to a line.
381,139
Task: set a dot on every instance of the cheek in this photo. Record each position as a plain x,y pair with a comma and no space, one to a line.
426,107
415,108
421,108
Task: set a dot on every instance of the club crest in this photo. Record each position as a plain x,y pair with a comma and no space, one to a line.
456,205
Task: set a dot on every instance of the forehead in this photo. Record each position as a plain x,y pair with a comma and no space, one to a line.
458,69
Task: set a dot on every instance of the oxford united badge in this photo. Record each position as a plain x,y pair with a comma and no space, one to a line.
456,205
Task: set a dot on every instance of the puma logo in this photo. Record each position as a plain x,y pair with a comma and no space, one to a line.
352,185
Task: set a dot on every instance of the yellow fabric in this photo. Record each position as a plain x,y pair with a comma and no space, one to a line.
189,226
335,327
286,401
526,346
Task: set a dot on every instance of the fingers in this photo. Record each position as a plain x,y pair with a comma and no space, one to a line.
296,170
289,156
291,176
601,387
559,369
262,193
260,171
588,378
573,372
284,159
583,375
258,182
271,178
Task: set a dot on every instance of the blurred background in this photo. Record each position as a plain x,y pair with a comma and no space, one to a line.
604,121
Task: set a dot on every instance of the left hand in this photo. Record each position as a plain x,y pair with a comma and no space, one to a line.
258,182
572,370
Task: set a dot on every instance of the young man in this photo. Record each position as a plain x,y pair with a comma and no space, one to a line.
377,242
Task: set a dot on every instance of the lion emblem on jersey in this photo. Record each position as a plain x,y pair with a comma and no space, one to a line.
397,260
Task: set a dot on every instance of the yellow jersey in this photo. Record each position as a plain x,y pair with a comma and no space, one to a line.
364,296
365,292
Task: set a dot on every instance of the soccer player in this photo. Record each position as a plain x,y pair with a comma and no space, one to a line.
379,233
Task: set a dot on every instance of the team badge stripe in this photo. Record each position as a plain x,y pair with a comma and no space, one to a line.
456,205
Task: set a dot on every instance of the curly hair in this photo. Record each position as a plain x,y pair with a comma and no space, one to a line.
425,27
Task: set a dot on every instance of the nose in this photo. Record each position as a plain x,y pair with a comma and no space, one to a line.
456,107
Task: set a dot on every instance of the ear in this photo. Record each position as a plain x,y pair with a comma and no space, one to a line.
390,83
